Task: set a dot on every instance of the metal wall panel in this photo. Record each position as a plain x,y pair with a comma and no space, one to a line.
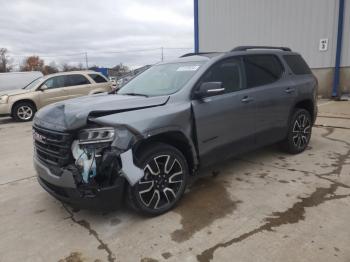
299,24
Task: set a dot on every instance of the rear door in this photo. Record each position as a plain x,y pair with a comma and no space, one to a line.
101,83
77,85
273,93
54,91
224,123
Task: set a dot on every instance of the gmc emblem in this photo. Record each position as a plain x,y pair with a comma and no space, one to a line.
38,137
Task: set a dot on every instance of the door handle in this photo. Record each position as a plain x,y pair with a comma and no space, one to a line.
289,90
247,99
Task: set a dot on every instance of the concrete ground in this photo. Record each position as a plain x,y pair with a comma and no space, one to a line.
263,206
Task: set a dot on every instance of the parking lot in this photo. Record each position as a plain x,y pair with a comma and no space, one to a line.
261,206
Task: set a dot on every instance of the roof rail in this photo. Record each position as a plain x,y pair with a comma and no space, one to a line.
245,48
192,54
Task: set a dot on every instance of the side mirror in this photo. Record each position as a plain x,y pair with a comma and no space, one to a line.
207,89
43,87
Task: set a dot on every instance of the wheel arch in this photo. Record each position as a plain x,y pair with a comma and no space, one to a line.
176,139
23,101
306,104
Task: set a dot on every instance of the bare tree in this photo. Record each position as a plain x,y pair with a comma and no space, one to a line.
50,69
33,63
5,62
120,70
66,67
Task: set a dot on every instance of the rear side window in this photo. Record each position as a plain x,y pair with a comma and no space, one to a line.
297,64
97,78
76,80
262,69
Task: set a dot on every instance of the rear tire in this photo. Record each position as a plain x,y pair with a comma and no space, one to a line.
299,132
23,111
164,181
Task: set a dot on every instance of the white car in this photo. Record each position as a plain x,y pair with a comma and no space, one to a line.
17,80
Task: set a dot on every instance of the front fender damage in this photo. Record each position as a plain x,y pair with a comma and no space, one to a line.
127,138
129,170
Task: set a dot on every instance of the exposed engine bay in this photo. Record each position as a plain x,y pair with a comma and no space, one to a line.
95,165
103,154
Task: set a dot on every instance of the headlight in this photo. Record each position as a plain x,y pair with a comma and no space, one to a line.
3,99
96,135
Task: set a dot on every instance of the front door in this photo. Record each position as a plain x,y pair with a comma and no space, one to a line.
224,123
53,91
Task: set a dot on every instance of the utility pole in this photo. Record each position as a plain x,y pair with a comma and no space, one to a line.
162,54
338,56
86,60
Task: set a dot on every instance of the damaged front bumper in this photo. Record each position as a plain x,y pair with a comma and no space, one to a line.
64,188
95,177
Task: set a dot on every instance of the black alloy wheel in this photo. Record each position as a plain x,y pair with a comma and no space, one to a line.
299,133
164,180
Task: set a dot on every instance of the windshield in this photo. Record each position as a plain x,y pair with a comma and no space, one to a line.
33,83
163,79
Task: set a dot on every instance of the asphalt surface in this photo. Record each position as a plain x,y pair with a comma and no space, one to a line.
262,206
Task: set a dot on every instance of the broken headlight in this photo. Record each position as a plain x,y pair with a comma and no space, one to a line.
96,135
88,150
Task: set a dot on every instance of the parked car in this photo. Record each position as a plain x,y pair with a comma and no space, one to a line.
162,127
17,80
21,104
113,80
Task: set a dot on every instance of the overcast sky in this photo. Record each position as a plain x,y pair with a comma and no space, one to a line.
58,28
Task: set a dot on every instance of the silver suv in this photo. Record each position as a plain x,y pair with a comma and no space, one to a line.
162,127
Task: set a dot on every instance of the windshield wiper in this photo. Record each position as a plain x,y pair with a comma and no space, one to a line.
134,94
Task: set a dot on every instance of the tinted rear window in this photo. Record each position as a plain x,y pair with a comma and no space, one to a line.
76,80
97,78
262,69
297,64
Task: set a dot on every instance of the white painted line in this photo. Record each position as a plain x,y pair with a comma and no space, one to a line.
326,103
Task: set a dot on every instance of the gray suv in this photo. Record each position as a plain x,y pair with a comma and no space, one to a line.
145,142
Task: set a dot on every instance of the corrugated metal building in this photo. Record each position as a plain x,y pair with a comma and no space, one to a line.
309,27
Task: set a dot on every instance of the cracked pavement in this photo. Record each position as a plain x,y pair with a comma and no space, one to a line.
262,206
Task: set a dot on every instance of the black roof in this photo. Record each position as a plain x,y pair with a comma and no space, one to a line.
247,47
207,54
237,49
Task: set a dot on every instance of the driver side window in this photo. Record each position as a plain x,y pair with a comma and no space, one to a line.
55,82
229,72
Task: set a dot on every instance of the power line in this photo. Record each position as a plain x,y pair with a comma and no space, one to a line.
40,55
105,52
102,57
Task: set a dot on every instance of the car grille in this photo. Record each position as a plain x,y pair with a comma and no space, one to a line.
53,148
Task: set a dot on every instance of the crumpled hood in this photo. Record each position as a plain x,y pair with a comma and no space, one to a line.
73,114
14,92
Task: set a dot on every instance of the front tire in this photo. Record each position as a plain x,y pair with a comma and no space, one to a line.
299,132
23,111
164,181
